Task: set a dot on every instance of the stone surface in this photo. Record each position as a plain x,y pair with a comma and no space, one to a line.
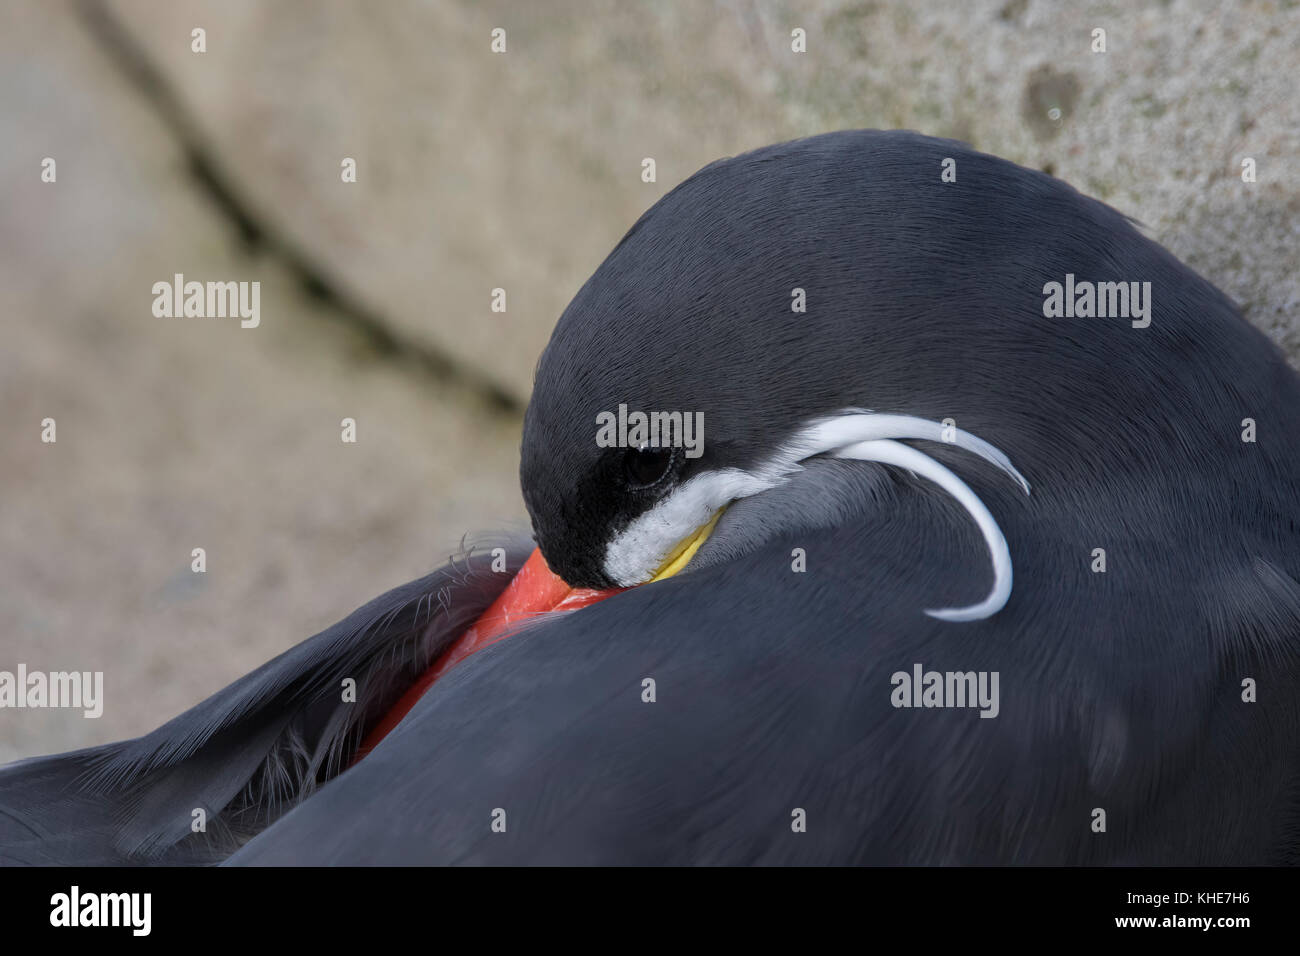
521,170
174,434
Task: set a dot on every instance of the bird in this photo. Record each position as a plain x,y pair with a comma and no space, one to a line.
907,464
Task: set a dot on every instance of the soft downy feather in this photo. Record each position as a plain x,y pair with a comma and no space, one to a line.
251,751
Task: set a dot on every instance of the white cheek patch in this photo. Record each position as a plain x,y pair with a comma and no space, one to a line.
634,554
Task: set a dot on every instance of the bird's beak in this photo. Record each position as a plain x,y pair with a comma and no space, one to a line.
535,590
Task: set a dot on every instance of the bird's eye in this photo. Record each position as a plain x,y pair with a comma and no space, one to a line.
646,466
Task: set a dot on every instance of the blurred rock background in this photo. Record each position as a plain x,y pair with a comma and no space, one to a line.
475,171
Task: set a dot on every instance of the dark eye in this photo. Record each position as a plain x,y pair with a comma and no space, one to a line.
646,466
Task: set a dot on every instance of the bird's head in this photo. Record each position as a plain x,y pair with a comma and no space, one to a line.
740,328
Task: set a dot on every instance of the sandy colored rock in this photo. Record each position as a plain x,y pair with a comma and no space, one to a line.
181,433
521,170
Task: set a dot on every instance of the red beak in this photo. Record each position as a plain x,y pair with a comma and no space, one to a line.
535,590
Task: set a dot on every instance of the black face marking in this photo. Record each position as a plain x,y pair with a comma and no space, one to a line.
579,495
646,467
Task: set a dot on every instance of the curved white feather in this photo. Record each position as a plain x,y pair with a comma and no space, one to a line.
828,434
892,453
